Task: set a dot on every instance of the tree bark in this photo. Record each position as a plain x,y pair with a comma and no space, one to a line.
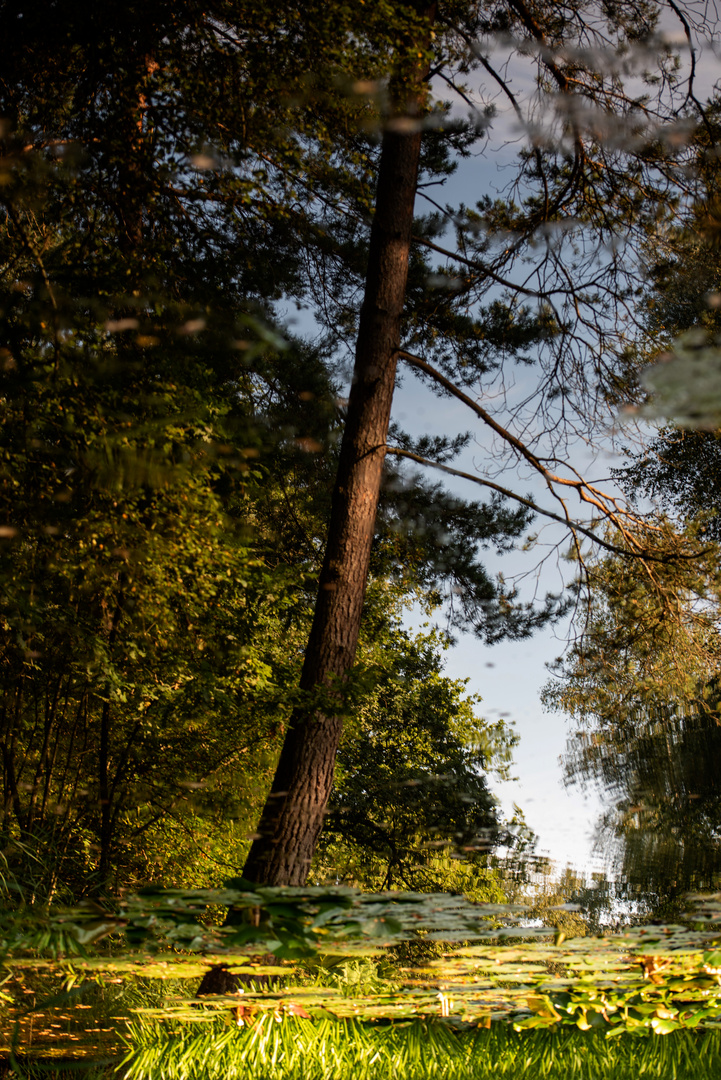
293,814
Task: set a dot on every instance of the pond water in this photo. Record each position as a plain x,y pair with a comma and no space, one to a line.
123,988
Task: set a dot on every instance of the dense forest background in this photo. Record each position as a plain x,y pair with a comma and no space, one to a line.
175,180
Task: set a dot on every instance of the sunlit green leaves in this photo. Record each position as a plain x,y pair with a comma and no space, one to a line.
296,1049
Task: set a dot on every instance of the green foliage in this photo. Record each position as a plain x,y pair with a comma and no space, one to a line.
286,922
686,388
353,978
135,604
411,794
686,1003
433,540
324,1050
641,687
167,455
556,904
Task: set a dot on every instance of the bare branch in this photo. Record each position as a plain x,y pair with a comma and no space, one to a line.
509,494
608,507
574,527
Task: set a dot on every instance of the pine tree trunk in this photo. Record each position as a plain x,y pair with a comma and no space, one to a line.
293,815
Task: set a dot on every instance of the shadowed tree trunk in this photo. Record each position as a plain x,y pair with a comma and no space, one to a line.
293,815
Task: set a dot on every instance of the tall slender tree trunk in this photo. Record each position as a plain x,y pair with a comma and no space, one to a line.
293,814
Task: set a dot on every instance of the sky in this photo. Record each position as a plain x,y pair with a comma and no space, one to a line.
509,676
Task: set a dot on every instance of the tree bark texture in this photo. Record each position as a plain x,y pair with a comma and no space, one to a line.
293,815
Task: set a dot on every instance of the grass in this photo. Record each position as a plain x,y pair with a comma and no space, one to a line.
297,1049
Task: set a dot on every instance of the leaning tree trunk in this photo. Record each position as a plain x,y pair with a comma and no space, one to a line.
293,814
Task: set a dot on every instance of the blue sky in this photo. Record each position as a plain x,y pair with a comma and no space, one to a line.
509,676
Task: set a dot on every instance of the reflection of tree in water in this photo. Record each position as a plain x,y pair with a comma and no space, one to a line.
643,683
660,768
643,690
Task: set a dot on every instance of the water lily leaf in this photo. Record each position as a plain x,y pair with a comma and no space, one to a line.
664,1027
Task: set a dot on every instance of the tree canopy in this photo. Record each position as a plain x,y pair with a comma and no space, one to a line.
198,528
